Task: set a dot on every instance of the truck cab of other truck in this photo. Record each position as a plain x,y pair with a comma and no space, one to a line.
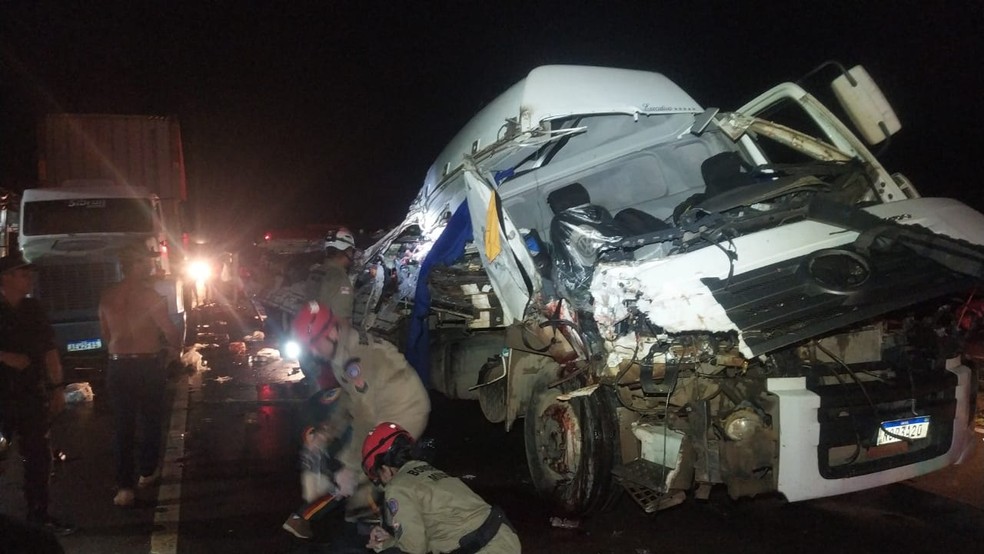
72,233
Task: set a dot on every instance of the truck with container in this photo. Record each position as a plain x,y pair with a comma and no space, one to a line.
105,181
673,297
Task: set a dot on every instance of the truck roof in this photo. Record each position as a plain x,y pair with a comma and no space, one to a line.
559,91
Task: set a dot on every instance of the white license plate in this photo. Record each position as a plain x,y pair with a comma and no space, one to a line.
912,428
81,345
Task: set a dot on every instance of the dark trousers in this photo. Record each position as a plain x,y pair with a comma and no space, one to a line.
26,419
136,390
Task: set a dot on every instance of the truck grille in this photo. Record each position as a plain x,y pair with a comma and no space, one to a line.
849,423
71,291
782,304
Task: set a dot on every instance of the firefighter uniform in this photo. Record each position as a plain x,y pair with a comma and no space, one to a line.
381,386
330,286
427,510
335,290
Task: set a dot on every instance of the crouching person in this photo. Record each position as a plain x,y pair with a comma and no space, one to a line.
427,510
378,384
330,431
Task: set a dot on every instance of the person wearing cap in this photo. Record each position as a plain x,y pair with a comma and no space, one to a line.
425,509
380,385
31,384
333,289
141,340
336,287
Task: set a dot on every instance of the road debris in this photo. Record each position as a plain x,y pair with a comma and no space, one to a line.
564,523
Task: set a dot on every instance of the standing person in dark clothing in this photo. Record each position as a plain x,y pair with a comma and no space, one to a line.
141,340
31,385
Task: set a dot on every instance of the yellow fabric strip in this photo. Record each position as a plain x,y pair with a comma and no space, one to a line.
493,243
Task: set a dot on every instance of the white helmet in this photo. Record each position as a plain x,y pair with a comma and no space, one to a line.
340,239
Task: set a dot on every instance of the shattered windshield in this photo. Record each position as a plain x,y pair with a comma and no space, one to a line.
650,165
677,189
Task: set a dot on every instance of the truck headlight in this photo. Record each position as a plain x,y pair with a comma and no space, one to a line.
742,423
199,270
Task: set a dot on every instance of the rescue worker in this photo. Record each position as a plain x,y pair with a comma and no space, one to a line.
427,510
333,288
328,432
379,383
336,287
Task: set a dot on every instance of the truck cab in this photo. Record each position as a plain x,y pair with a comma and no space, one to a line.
72,234
674,297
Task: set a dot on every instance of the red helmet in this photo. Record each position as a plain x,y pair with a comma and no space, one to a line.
314,321
378,443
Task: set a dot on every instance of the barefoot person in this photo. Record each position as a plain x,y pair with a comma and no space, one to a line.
141,339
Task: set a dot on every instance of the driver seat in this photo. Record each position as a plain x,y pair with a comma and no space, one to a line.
579,230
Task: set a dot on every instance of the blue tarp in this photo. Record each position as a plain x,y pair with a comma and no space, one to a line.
447,249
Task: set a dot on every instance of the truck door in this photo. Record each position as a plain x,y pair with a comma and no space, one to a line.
790,105
501,247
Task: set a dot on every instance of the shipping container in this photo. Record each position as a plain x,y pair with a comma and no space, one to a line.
132,150
104,181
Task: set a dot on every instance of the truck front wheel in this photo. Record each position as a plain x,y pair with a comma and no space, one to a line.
572,446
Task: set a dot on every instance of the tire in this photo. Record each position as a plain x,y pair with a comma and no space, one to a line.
572,447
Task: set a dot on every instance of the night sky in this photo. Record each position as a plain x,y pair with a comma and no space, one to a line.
332,111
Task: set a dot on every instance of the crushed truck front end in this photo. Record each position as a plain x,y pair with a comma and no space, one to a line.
674,297
832,370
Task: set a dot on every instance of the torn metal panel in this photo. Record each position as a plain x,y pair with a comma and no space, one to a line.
511,271
463,291
686,292
660,445
670,291
674,305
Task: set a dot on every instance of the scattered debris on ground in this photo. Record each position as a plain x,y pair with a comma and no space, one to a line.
565,523
78,392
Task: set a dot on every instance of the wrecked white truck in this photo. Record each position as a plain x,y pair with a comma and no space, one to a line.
675,297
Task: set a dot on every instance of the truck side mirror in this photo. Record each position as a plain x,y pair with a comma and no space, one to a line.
865,104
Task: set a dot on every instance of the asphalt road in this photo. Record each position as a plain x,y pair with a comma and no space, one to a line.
230,480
